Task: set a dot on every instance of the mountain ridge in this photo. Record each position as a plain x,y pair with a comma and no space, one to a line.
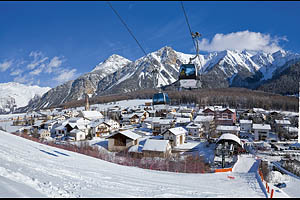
229,68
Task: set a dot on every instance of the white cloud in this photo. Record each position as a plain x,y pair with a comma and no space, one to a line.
66,75
38,58
16,72
36,62
5,65
54,63
37,71
243,40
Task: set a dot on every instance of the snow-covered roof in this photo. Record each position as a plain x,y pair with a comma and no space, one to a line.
204,118
182,120
229,136
127,133
284,122
92,114
227,128
193,125
163,121
155,145
62,127
178,131
243,121
261,126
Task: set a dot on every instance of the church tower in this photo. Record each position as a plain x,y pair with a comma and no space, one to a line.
87,105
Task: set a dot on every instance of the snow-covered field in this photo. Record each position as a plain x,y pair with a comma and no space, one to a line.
30,169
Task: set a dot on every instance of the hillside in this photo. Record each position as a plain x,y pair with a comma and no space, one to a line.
30,169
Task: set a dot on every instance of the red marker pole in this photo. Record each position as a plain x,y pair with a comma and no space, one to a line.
272,192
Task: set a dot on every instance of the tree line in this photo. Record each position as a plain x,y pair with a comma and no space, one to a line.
239,98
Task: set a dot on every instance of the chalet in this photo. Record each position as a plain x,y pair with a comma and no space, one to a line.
228,129
246,125
222,116
176,136
151,113
48,125
280,124
103,127
122,140
206,121
261,131
160,125
43,134
132,118
180,121
77,135
156,148
195,130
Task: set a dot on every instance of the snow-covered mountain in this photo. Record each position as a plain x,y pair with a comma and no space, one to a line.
14,95
227,68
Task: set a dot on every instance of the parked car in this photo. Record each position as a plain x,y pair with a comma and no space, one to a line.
281,185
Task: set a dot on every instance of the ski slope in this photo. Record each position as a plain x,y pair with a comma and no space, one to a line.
30,169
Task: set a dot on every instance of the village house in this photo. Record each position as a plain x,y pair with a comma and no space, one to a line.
222,116
48,125
77,135
261,131
151,113
78,123
195,130
90,115
180,121
280,124
43,134
176,136
160,125
103,127
122,140
128,119
156,148
246,125
207,122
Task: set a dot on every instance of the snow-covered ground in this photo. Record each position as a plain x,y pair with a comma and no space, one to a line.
30,169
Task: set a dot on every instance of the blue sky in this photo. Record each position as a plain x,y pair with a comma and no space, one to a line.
47,43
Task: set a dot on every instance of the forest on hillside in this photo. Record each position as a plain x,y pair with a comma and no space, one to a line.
232,97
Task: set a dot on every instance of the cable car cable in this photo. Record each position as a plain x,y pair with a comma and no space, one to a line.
123,22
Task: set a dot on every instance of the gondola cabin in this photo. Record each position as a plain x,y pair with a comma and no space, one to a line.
188,76
160,101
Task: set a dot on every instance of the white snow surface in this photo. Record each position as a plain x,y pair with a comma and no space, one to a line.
30,169
112,64
21,93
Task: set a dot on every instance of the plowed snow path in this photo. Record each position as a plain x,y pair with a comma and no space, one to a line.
45,170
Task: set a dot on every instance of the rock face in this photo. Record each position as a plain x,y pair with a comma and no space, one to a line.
216,70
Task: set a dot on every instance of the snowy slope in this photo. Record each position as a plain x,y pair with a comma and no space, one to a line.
32,169
112,64
14,94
